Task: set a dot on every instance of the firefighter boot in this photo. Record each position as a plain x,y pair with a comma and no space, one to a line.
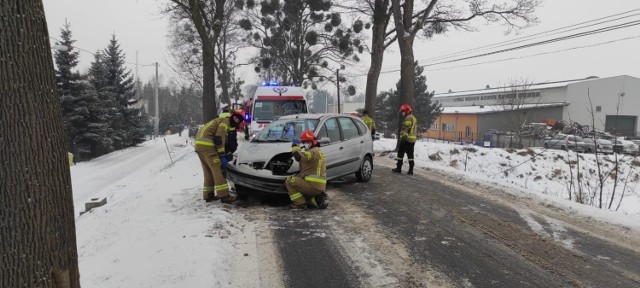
398,168
229,199
320,201
410,168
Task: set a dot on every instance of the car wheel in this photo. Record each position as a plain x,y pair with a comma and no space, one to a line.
563,148
546,145
366,169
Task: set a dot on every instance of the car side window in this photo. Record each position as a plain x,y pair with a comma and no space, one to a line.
349,129
330,129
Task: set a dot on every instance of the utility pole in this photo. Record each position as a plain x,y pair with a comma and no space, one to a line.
156,122
338,87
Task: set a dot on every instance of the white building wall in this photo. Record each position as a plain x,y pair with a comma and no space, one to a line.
606,93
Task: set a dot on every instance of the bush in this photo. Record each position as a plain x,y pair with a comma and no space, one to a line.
454,151
435,156
472,150
454,163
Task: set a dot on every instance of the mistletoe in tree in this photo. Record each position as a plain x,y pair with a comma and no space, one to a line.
300,41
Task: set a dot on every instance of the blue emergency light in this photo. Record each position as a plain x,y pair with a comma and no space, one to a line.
247,118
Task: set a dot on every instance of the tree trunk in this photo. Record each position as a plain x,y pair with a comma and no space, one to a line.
208,83
37,225
406,71
377,56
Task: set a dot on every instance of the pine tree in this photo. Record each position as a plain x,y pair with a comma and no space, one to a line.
68,81
81,109
118,89
424,109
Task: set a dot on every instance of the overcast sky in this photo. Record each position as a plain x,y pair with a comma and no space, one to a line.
139,27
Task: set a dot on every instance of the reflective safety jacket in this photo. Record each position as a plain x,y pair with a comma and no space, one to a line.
313,166
213,136
369,122
409,128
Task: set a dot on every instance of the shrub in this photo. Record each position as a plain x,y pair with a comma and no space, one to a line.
454,151
454,163
537,178
471,149
510,150
435,156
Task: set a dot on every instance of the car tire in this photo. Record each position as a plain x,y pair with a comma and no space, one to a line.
546,145
564,148
366,169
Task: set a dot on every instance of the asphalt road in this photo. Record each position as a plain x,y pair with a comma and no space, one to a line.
417,231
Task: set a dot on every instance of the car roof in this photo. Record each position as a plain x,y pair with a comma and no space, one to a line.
318,116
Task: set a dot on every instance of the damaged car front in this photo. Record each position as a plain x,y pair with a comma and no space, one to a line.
266,161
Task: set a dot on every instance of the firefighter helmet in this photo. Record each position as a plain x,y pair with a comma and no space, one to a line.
236,119
405,108
308,136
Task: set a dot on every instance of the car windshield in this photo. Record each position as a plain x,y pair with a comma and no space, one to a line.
272,109
285,130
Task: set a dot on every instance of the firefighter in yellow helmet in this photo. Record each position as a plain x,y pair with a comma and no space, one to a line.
210,147
306,190
369,122
407,139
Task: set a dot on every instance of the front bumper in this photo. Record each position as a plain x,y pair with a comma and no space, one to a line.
246,177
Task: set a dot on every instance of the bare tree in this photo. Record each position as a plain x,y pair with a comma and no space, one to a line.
207,17
37,225
520,106
437,16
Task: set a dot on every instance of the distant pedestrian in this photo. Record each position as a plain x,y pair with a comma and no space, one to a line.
407,139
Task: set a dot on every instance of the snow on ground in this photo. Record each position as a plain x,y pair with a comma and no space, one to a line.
155,231
547,175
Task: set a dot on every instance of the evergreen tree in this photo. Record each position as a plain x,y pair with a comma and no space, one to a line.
424,109
67,81
119,89
81,109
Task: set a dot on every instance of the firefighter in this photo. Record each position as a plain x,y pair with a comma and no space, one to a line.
225,111
407,139
306,190
210,147
369,122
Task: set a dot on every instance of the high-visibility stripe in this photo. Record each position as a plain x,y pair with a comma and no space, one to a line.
222,187
308,154
204,139
216,160
295,196
207,188
313,202
321,161
398,158
223,125
295,148
221,149
316,178
204,129
204,143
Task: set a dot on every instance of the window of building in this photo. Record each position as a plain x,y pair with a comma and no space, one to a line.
598,108
434,126
448,127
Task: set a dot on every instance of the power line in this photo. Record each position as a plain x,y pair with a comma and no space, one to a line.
538,54
540,34
549,41
94,54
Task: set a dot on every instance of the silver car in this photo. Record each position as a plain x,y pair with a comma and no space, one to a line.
564,142
601,145
264,163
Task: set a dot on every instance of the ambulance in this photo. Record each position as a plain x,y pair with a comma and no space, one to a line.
273,100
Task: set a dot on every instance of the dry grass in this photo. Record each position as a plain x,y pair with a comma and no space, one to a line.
435,156
454,163
472,150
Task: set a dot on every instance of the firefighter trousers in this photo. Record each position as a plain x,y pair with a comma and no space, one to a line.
405,147
300,191
212,172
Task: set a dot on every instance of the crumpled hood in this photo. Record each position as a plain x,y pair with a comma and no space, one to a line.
261,151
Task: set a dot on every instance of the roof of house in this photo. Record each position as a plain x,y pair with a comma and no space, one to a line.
484,109
534,86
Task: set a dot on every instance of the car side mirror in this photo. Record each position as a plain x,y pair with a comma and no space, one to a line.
324,141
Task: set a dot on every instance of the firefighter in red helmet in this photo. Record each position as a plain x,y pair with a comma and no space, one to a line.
306,190
407,139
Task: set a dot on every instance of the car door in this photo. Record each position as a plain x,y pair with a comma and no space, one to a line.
333,150
352,144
